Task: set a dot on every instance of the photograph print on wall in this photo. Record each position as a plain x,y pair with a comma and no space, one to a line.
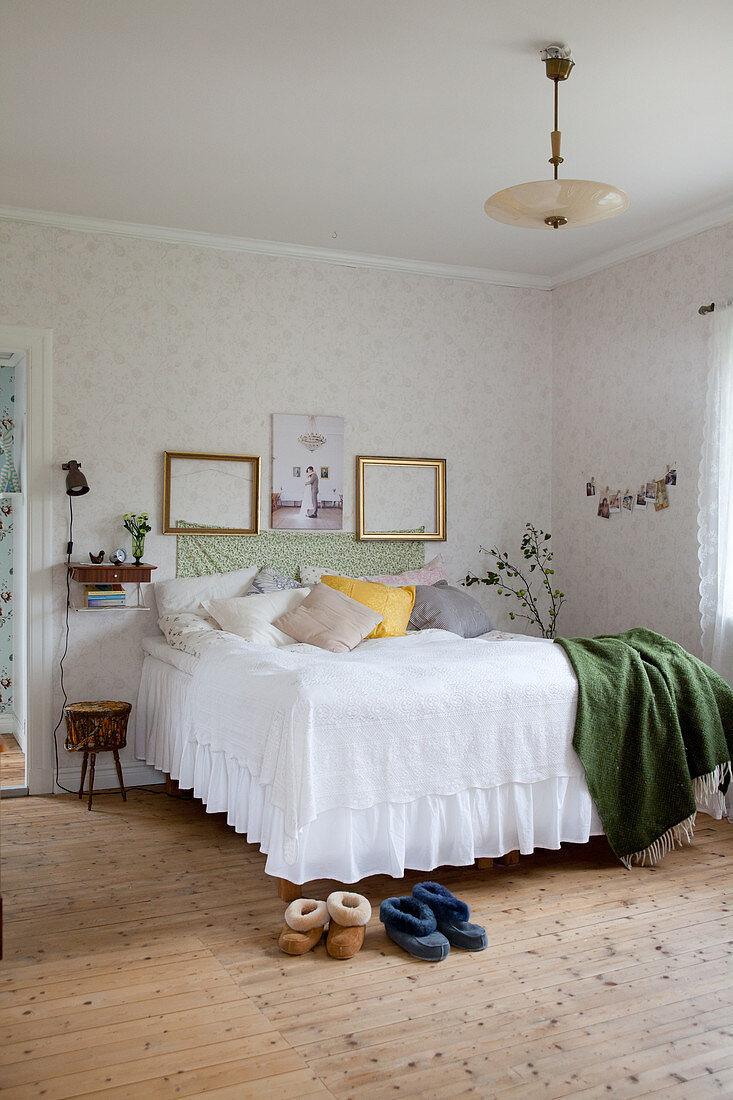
662,499
641,497
307,472
627,503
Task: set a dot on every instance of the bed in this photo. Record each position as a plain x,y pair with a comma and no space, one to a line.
410,752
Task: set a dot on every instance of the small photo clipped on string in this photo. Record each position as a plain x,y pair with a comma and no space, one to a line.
614,504
651,490
670,478
603,508
641,497
627,504
662,499
590,487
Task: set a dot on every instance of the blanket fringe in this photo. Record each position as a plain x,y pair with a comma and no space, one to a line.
708,798
667,842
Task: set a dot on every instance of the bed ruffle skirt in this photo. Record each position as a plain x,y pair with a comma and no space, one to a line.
348,845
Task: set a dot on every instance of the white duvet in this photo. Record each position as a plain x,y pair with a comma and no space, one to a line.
396,719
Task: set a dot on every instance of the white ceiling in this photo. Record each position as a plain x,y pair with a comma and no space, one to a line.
387,122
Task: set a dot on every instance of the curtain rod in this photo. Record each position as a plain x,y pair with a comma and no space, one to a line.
707,309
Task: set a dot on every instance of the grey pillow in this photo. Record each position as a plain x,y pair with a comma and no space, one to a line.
267,580
443,607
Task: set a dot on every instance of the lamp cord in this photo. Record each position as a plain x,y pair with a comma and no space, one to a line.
69,551
69,548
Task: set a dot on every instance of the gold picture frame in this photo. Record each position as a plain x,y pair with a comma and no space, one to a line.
172,503
434,497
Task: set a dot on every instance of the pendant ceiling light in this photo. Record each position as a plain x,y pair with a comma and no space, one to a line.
550,204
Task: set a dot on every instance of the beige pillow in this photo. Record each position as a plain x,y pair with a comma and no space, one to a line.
251,617
330,620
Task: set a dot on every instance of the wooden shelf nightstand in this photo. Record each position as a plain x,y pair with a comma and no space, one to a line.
85,573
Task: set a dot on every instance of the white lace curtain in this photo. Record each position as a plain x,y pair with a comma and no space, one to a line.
715,499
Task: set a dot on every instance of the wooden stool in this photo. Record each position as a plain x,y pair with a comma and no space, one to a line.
93,728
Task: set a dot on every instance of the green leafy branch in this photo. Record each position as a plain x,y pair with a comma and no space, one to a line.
510,580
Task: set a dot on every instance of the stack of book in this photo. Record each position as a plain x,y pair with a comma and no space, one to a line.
104,595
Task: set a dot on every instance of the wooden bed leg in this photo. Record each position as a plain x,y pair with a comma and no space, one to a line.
288,891
172,788
484,863
510,859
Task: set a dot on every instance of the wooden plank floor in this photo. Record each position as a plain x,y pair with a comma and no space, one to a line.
141,961
12,762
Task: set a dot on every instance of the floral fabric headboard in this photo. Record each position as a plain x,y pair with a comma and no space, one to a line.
284,551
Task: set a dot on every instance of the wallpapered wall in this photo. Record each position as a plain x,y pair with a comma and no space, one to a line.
160,346
7,422
629,380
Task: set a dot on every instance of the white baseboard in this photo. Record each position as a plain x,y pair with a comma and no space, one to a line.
136,774
8,723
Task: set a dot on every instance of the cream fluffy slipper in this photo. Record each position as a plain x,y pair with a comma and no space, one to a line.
349,915
305,920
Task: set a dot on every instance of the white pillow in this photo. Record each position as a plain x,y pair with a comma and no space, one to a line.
187,593
175,626
311,574
251,617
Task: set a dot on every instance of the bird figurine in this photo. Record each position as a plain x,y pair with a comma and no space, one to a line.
97,559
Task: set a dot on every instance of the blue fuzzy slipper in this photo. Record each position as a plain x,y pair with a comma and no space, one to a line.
412,926
451,916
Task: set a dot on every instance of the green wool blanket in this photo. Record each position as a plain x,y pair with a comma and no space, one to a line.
654,731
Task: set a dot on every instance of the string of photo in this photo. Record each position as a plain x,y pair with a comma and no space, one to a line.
653,492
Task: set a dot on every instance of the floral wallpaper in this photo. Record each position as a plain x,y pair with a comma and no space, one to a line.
7,424
629,393
160,346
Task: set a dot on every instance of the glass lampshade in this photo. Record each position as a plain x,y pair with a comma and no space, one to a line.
579,202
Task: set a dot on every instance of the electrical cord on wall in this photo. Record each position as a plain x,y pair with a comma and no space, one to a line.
69,551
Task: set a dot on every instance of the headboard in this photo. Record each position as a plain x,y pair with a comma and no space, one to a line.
284,551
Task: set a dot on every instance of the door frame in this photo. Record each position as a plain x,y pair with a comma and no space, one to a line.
37,344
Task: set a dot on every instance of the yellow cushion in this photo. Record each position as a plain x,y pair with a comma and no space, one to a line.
394,603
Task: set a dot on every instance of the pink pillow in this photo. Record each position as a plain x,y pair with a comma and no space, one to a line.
430,573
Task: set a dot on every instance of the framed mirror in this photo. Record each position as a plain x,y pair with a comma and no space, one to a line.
207,494
400,498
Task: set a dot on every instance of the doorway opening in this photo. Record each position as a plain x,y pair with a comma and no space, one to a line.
13,580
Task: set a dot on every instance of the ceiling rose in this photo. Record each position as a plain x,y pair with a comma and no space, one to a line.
551,204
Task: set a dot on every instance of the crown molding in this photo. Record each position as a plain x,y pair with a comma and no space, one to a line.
677,232
674,233
275,248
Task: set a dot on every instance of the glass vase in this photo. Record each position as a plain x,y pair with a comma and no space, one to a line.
138,548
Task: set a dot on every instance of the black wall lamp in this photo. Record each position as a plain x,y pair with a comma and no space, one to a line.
76,483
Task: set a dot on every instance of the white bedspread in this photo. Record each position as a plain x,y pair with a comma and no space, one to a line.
397,719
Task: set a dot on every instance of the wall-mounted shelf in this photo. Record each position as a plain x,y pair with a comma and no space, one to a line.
99,610
87,573
107,574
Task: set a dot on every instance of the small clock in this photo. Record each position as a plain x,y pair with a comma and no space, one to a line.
118,557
